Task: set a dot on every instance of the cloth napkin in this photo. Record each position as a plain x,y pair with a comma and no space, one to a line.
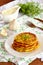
4,55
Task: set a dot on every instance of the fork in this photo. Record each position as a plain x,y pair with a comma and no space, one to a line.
33,26
39,20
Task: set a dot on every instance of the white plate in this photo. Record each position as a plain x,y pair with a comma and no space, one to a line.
9,42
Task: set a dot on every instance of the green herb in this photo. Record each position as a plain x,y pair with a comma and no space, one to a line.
25,37
30,8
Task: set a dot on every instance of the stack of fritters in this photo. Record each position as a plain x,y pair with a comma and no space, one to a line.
25,42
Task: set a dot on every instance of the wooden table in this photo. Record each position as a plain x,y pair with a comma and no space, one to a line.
2,2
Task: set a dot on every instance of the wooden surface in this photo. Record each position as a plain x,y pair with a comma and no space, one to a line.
2,2
6,63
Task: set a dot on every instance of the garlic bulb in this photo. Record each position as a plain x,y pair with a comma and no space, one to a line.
14,25
3,32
